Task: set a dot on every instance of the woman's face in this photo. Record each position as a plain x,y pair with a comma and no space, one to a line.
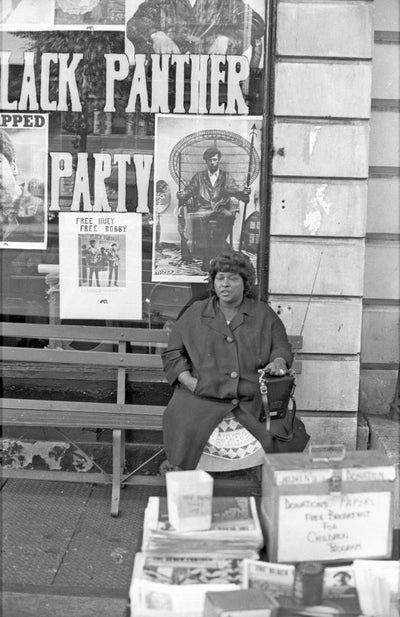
229,287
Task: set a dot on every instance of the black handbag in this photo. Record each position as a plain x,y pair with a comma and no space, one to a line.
277,408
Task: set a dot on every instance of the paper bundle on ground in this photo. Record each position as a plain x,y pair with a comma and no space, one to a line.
235,531
176,587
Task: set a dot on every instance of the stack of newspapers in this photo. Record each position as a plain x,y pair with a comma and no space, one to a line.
235,530
174,571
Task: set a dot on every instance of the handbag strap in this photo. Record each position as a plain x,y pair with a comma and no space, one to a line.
291,413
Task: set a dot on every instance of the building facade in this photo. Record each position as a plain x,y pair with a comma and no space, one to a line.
110,120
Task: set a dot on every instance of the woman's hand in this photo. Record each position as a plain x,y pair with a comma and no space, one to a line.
276,367
186,379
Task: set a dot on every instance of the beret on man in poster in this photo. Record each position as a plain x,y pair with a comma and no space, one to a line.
210,152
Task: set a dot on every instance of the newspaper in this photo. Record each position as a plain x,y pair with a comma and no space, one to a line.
339,589
235,530
276,579
378,584
174,586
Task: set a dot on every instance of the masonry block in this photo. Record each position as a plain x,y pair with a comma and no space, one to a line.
377,389
331,208
331,429
338,266
382,275
331,325
328,383
386,15
323,89
383,205
337,29
386,72
381,334
321,149
385,143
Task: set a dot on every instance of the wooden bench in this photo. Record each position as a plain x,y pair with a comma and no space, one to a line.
143,364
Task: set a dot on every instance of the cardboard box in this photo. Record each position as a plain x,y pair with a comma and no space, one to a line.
327,505
240,603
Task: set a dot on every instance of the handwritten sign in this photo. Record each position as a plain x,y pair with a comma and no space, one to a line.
193,505
333,526
189,496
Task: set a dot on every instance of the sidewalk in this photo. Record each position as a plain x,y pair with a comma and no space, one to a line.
64,555
62,552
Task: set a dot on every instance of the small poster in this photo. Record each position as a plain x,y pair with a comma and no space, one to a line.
23,181
206,193
100,265
62,14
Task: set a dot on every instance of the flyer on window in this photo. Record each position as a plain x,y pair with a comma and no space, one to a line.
100,265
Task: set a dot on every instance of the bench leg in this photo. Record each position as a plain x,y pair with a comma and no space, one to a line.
118,453
123,460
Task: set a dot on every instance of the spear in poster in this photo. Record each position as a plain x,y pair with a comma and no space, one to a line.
185,252
253,132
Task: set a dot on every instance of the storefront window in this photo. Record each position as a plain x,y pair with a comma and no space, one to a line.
131,153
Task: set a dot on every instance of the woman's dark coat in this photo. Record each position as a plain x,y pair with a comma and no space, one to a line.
224,359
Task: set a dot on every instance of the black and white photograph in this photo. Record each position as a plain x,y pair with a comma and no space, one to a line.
23,182
102,261
206,193
200,308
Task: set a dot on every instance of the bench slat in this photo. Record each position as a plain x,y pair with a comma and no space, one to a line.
29,412
98,334
83,333
96,358
99,478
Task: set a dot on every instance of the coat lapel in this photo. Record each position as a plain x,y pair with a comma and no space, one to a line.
214,319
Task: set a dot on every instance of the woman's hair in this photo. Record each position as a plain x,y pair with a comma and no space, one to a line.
238,263
6,146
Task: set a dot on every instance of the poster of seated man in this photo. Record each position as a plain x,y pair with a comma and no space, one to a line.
206,187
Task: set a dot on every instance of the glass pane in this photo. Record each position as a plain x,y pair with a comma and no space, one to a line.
131,145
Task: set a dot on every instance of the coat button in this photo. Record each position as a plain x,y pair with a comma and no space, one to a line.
235,401
234,374
229,339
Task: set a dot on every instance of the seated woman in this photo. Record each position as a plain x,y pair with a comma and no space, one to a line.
213,354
